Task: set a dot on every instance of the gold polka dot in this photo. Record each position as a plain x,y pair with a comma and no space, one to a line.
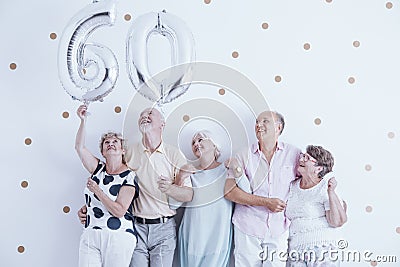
374,263
390,135
398,230
207,1
24,184
28,141
127,17
265,25
235,54
221,91
368,209
117,109
53,36
389,5
351,80
66,209
356,43
328,1
84,71
368,167
21,249
65,115
186,118
307,46
278,79
13,66
317,121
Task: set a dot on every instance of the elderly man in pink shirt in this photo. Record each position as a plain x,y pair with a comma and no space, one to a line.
258,182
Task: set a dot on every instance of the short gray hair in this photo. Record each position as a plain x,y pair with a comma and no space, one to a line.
208,135
324,158
110,135
280,119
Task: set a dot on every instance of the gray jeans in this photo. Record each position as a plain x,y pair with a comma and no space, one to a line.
156,244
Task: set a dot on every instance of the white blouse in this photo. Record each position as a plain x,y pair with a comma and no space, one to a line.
306,210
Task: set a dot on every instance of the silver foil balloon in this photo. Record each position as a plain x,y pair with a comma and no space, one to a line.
174,83
87,71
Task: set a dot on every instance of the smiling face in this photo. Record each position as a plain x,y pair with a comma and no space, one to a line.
308,166
319,156
267,125
150,119
202,146
112,144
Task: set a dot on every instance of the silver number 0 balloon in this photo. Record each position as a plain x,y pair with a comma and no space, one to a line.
87,71
173,84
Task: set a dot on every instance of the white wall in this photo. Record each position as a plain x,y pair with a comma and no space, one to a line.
359,121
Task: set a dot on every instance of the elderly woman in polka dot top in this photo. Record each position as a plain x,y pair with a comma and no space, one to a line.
109,237
315,211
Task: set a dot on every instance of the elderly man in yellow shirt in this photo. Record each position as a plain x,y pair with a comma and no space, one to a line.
156,165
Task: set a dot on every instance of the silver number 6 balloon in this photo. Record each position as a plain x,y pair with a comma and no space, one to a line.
87,71
173,83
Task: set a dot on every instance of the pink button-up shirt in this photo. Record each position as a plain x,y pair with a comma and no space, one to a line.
270,180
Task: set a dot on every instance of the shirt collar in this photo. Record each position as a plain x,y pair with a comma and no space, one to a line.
160,148
256,148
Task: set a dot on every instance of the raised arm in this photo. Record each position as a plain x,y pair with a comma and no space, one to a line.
336,216
88,159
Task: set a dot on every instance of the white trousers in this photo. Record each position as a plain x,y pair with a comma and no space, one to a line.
256,252
106,248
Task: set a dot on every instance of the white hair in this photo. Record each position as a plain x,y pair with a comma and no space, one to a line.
208,135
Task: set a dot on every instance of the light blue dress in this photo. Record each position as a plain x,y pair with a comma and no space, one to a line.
205,233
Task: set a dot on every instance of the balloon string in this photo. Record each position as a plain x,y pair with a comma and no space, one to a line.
158,21
86,103
162,93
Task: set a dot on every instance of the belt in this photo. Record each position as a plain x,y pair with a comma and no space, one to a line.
153,221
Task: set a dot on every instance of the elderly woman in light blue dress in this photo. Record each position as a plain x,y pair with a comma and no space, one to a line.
205,233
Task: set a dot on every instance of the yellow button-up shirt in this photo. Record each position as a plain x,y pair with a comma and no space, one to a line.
166,161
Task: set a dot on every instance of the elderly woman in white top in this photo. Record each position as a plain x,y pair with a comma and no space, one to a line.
315,211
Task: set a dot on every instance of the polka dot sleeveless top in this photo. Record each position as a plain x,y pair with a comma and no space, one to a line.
98,217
